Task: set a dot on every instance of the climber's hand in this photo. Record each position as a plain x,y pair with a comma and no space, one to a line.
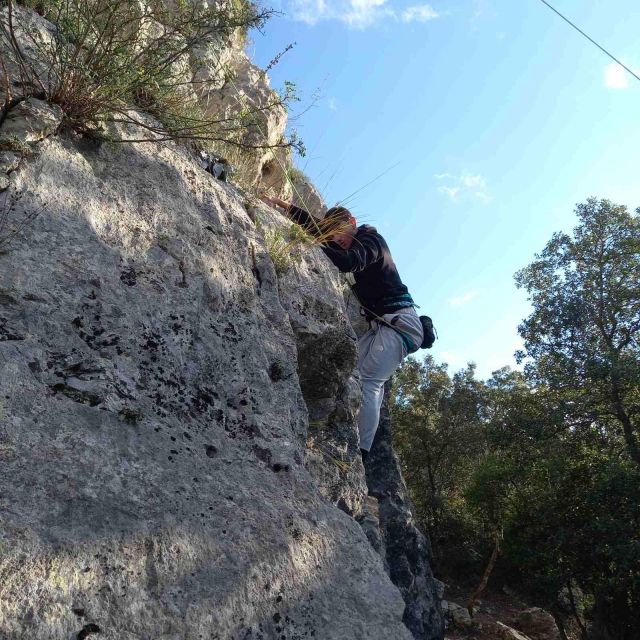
274,202
267,199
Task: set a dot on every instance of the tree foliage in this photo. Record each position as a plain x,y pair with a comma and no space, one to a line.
583,337
547,457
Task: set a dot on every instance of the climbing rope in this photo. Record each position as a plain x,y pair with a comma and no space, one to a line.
591,40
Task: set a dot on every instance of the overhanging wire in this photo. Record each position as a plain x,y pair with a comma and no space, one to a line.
624,66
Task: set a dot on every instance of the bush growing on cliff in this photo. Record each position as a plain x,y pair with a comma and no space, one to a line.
107,60
285,246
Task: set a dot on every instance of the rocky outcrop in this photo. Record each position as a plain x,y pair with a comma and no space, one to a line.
246,85
312,295
217,73
306,195
407,550
178,442
31,120
153,428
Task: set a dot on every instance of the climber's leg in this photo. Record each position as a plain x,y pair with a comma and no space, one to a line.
380,351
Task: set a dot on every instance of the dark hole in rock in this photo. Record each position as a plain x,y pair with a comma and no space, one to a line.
211,450
87,630
276,372
262,454
79,611
277,467
268,168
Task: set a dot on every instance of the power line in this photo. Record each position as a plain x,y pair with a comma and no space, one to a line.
624,66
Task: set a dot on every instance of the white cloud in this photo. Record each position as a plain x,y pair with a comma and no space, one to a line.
464,184
332,104
357,14
458,301
419,13
615,77
473,182
452,192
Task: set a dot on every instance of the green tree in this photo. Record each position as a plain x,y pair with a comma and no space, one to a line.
439,436
577,518
582,339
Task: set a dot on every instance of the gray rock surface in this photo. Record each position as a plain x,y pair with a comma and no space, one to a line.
32,120
500,631
153,427
538,624
307,196
34,35
246,85
312,294
177,422
369,520
408,551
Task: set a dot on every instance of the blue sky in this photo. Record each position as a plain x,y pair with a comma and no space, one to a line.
501,118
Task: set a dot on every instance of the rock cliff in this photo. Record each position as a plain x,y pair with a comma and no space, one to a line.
178,445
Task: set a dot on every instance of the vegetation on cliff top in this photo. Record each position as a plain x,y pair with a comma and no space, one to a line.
109,60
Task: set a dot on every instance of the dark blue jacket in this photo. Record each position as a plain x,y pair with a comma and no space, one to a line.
377,283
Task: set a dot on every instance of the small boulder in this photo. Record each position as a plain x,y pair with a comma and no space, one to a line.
538,624
500,631
457,615
32,120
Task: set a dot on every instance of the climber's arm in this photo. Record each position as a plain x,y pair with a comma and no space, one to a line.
364,251
298,215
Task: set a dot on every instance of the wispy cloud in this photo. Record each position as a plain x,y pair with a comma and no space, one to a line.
458,301
615,77
464,184
419,13
332,104
357,14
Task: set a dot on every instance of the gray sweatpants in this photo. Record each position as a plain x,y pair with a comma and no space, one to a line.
380,352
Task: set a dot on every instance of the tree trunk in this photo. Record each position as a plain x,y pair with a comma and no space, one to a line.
487,572
627,428
574,609
557,616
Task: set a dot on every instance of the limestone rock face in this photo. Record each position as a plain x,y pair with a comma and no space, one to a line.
327,355
307,196
245,85
407,550
152,423
178,443
34,34
32,120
